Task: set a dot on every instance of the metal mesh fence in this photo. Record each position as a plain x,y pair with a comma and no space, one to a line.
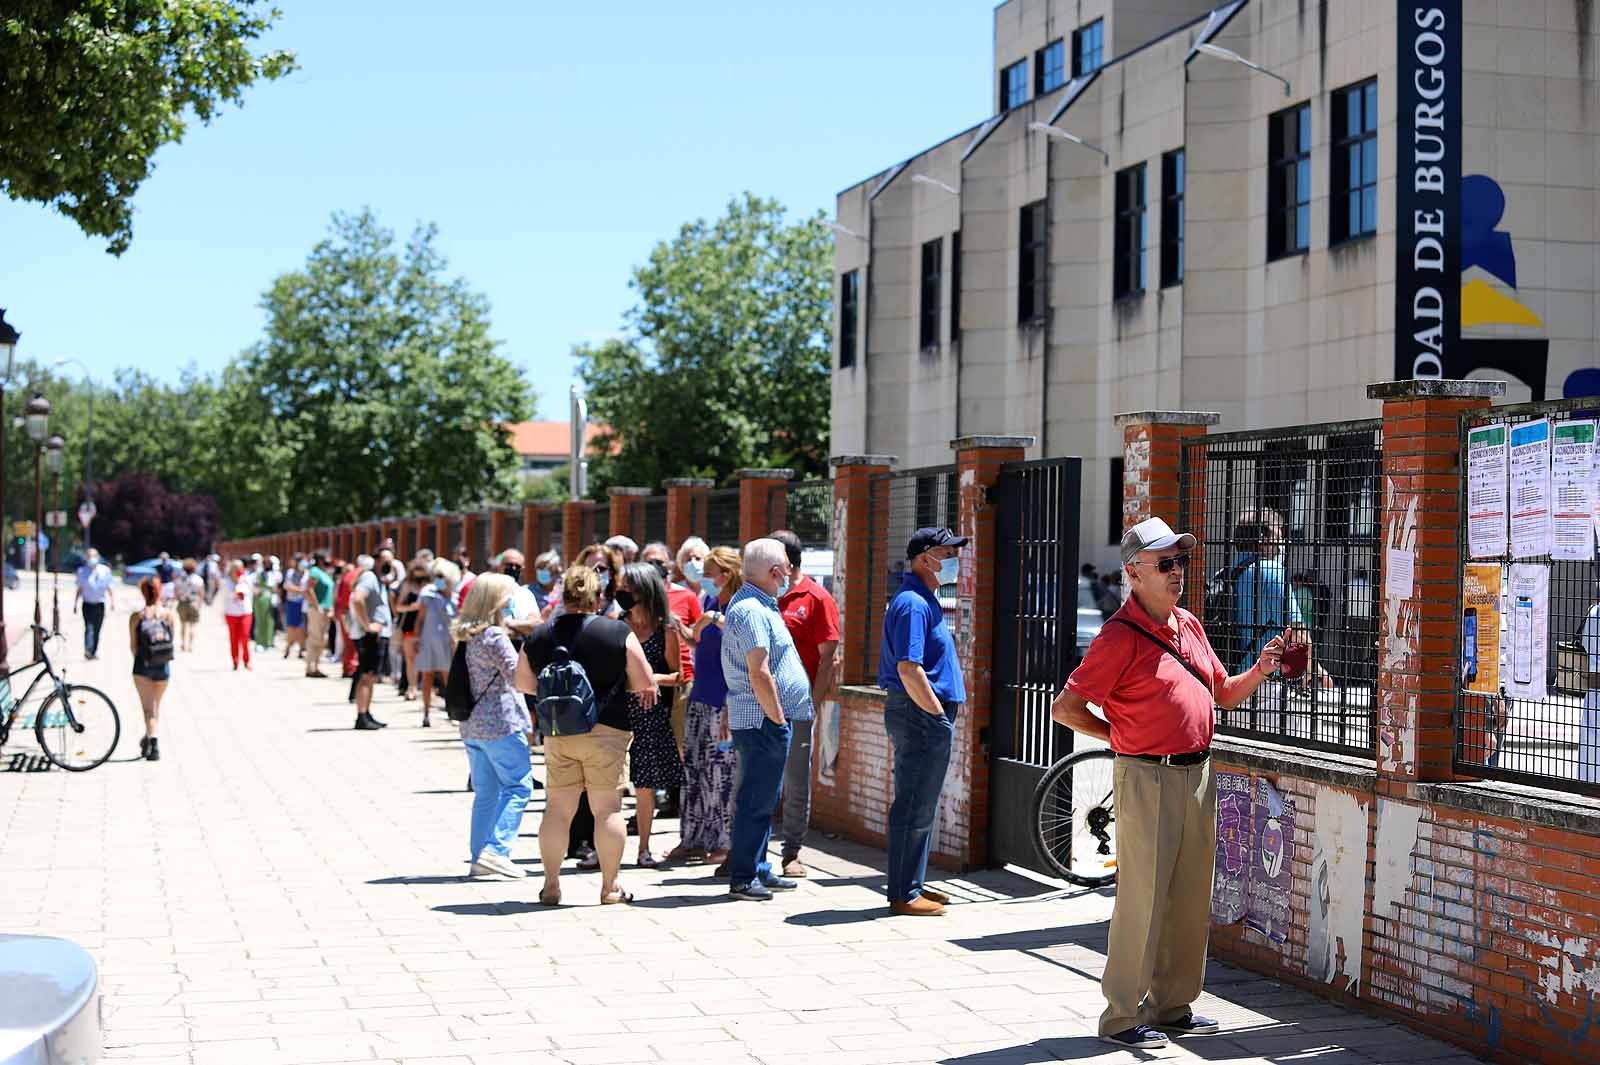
808,513
722,518
1289,522
513,533
655,520
428,536
452,539
902,503
1528,627
481,544
602,523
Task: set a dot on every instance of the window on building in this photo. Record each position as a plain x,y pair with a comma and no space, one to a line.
1353,183
849,313
1289,182
1030,266
1132,225
1114,521
1049,68
1172,179
932,282
955,286
1088,48
1014,85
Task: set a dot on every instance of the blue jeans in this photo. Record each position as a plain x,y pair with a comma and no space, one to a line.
763,752
922,743
502,782
94,616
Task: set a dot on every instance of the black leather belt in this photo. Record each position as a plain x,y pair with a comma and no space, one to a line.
1192,758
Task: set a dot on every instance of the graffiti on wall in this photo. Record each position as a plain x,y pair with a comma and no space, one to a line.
1397,709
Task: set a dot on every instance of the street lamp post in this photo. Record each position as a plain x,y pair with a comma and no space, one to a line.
55,453
8,355
37,416
88,445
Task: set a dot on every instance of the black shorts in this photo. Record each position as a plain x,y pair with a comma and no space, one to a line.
372,654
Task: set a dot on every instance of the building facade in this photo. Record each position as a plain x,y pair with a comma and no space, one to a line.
1147,222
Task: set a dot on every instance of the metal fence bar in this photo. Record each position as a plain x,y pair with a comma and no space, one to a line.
810,514
1288,523
655,520
602,523
902,503
722,518
1554,741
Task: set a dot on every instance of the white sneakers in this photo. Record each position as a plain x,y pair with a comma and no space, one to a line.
492,866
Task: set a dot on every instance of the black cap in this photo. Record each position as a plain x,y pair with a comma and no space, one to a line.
925,539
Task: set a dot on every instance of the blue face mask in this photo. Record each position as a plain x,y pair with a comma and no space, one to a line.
542,576
605,581
708,586
693,570
949,571
783,589
438,582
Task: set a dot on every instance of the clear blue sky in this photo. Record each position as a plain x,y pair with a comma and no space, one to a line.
553,150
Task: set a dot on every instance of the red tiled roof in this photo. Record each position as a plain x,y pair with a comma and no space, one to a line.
549,439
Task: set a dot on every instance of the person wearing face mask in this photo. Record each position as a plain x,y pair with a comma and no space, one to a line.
653,757
546,568
522,614
606,562
435,647
918,668
683,600
707,743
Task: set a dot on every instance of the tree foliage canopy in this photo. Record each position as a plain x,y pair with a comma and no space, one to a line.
90,89
726,355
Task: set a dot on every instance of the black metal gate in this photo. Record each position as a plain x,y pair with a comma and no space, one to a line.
1035,641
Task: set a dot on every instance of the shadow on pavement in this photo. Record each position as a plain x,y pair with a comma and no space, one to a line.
491,909
828,918
1065,1048
459,878
678,902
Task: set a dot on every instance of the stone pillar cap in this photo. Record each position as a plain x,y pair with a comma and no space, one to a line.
689,482
967,443
627,490
1169,417
766,475
864,460
1436,388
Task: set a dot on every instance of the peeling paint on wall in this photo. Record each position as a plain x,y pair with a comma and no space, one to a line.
1394,868
1338,888
1397,710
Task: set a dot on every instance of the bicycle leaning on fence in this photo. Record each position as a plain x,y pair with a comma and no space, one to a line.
1074,824
77,726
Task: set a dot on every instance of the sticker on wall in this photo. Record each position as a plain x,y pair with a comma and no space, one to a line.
827,741
1530,489
1229,885
1272,870
1572,485
1480,627
1486,491
1527,651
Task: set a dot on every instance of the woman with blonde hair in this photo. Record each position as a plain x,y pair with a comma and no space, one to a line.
496,735
708,757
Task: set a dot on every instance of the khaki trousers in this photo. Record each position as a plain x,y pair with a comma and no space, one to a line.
316,633
1166,847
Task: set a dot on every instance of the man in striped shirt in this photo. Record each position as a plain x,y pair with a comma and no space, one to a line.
767,689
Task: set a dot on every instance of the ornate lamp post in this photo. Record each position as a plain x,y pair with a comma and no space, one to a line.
55,453
8,355
37,416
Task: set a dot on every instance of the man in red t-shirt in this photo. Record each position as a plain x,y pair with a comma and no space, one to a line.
341,611
812,618
1153,673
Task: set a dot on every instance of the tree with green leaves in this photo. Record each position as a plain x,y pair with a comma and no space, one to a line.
725,361
377,390
90,89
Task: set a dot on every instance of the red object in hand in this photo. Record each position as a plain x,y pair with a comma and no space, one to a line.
1296,657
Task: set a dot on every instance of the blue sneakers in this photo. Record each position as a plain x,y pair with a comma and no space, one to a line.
773,882
751,892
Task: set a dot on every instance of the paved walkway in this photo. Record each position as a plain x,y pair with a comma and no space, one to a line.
282,889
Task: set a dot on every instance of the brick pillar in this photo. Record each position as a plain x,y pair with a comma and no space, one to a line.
405,540
1152,456
762,495
687,508
531,545
497,533
577,527
627,512
1417,635
978,461
857,550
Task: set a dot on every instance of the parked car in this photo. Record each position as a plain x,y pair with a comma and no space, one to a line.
70,562
1090,619
140,570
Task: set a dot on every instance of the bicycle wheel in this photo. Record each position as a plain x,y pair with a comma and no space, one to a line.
1074,825
81,732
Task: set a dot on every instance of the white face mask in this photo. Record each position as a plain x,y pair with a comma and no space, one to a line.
693,570
949,571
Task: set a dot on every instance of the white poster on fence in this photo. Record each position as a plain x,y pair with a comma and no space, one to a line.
1530,489
1486,491
1527,630
1572,484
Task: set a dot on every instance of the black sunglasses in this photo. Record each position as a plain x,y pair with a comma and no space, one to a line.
1168,564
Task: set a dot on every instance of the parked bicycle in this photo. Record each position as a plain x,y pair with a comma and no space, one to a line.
77,726
1074,823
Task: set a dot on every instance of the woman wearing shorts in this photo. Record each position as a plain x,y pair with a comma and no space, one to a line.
150,638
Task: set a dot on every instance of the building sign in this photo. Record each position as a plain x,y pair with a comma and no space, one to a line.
1427,291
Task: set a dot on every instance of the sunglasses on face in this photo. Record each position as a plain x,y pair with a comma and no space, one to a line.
1167,565
602,569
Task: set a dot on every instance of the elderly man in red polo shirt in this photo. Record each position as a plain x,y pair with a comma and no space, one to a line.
1154,674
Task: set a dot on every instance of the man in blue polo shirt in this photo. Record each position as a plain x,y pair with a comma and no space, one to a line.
917,666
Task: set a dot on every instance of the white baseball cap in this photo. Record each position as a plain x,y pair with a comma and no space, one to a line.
1152,534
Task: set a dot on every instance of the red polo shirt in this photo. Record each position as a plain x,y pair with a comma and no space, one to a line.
1153,704
685,606
812,618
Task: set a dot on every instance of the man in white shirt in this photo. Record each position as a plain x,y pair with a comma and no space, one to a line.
94,592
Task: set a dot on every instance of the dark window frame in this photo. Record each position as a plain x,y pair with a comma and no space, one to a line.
1047,61
849,316
1089,48
1032,295
1174,184
1347,190
955,286
1114,520
1131,237
931,286
1014,85
1289,164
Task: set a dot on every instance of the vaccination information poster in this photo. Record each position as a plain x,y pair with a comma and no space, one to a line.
1527,630
1572,480
1480,627
1530,489
1486,491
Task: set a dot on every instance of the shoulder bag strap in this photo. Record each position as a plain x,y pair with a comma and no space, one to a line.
1169,649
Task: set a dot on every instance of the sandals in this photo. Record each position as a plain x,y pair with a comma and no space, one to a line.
647,860
589,862
618,897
